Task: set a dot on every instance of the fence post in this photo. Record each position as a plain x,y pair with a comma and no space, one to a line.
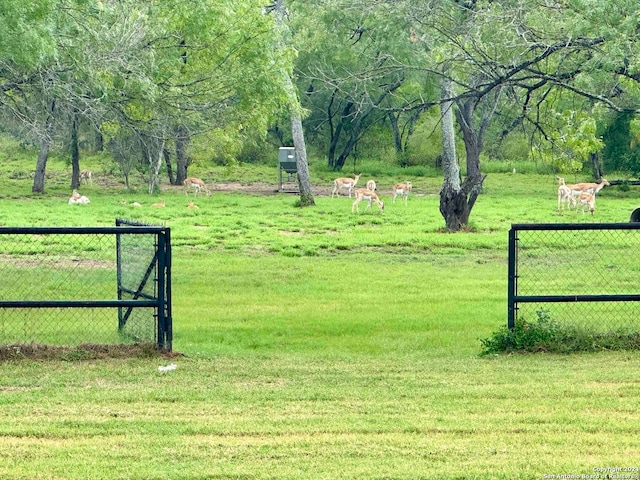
119,276
164,288
512,277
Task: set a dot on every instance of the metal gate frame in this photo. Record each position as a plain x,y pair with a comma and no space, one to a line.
162,261
512,285
161,265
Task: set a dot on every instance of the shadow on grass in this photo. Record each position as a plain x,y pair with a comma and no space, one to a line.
86,351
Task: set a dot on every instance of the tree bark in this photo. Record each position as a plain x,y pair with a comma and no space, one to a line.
43,153
304,180
295,109
182,160
167,162
596,165
75,153
154,170
453,201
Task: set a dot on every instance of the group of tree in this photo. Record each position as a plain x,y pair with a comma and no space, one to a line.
148,79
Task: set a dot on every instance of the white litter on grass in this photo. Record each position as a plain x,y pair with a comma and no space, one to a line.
172,366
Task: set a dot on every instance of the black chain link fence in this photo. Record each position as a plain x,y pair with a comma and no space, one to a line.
68,286
585,275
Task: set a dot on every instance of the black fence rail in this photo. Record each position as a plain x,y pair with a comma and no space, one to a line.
73,285
582,274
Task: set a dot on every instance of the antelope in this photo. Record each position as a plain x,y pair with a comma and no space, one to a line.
402,189
565,195
159,205
592,188
587,200
77,198
371,185
192,206
196,184
86,176
366,194
348,183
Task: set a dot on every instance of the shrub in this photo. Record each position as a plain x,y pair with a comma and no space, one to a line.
548,335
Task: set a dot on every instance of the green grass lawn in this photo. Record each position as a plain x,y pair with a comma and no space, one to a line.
320,344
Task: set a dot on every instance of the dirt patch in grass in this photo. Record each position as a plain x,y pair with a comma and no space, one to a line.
86,351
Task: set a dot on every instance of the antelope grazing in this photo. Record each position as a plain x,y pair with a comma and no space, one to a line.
159,205
348,183
371,185
85,176
402,189
587,200
592,188
366,194
196,184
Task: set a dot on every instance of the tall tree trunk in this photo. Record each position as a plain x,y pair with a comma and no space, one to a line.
167,162
336,132
154,169
453,201
98,141
75,153
397,136
596,166
182,142
304,180
43,153
473,141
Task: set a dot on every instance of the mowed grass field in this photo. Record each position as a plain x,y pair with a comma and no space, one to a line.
320,344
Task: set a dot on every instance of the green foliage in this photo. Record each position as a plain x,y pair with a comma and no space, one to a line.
549,335
622,150
572,138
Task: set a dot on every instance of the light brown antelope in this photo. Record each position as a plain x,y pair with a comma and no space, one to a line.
348,183
85,176
402,189
197,185
370,196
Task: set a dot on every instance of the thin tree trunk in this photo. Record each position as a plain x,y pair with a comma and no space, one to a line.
167,162
182,160
397,136
596,166
75,153
154,170
43,153
304,180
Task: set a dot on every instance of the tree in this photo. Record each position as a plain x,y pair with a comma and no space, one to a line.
453,199
470,44
356,75
295,111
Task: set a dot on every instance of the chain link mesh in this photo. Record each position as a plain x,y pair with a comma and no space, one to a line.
577,262
70,267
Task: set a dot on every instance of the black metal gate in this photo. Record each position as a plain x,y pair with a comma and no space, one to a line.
585,274
151,281
58,285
